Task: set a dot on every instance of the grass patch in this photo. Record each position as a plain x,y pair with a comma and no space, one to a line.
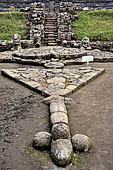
12,23
97,25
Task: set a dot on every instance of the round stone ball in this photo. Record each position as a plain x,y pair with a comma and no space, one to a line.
61,152
81,142
60,131
42,140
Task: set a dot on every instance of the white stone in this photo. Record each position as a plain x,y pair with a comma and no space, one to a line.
42,140
56,79
81,142
61,152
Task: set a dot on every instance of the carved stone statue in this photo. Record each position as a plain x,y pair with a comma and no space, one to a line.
16,41
85,43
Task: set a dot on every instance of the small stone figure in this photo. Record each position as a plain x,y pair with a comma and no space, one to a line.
74,44
16,41
64,43
52,7
37,42
85,43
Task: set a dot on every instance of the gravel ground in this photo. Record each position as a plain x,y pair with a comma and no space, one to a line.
22,115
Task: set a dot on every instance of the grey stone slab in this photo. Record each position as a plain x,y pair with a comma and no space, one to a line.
54,82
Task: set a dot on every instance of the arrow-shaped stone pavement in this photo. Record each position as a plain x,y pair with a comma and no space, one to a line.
57,84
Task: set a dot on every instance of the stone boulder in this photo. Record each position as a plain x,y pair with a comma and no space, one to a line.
61,152
60,131
42,140
81,142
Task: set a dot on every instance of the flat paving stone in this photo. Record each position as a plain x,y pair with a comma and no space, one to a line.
54,82
59,117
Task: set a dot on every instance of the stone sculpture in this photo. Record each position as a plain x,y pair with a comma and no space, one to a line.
16,41
85,43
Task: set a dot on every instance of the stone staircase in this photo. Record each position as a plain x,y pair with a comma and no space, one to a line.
50,29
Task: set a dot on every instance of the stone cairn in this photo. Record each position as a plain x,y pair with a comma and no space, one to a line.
36,20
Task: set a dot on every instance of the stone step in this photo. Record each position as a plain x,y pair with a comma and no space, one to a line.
50,38
51,19
50,15
50,29
52,44
50,32
54,32
50,25
49,42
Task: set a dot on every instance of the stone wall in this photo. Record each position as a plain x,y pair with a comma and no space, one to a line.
65,16
7,45
64,24
5,4
36,20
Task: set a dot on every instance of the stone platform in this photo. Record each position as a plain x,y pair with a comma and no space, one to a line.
54,81
43,55
46,53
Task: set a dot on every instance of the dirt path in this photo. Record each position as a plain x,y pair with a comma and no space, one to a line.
92,113
22,115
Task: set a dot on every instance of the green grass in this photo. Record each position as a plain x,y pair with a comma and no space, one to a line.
12,23
97,25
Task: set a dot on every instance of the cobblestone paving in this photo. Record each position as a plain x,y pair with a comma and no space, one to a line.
54,81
